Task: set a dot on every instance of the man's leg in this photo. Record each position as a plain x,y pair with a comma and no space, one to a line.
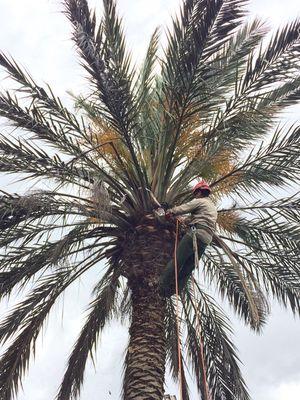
189,265
184,252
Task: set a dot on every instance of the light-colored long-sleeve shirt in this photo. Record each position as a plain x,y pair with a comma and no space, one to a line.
203,214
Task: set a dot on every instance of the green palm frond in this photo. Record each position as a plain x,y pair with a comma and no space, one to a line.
15,361
43,97
286,208
266,234
274,164
272,236
34,120
223,373
257,115
20,265
101,311
201,30
228,64
32,313
277,62
201,23
146,98
239,286
108,64
279,281
147,73
24,157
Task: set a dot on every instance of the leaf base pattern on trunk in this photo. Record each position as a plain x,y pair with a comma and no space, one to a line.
145,258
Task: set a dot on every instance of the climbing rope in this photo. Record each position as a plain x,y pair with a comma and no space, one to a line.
198,325
177,314
198,329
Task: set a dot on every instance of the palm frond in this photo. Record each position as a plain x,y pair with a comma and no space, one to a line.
108,64
14,362
146,98
38,205
229,63
201,23
146,74
279,239
43,97
258,114
278,280
286,208
274,164
19,265
223,373
269,232
33,120
239,286
277,62
21,156
101,311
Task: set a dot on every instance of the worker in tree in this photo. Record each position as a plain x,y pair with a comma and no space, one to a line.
201,226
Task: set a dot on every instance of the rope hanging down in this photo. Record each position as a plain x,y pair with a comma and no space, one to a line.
198,325
177,314
198,329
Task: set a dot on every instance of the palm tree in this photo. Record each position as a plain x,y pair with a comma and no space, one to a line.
208,108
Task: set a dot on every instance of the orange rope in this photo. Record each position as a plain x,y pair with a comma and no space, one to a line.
177,312
198,329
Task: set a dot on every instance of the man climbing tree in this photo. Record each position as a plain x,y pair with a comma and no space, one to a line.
201,225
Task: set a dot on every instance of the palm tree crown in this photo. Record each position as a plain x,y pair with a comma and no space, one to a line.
208,108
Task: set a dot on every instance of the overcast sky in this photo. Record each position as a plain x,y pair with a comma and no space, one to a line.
37,35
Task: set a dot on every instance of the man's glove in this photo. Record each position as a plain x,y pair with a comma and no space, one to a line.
169,214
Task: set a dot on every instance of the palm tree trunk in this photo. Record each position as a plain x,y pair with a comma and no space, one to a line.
145,361
146,355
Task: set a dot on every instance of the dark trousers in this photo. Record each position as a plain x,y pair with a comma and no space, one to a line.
185,263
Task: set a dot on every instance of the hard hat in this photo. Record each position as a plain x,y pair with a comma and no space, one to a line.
202,185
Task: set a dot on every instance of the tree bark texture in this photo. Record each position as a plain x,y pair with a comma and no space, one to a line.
145,256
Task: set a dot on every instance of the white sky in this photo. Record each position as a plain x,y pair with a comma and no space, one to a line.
37,36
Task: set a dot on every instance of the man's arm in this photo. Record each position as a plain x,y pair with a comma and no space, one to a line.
185,208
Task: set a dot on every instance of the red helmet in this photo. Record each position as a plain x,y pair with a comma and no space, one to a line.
202,185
